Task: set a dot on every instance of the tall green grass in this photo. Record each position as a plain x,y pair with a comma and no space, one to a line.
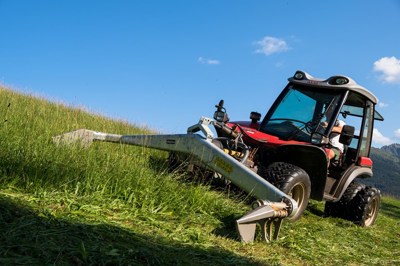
118,205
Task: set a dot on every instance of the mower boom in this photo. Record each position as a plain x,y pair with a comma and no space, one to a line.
272,206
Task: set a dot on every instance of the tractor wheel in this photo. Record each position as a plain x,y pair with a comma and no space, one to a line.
360,204
340,208
291,180
365,206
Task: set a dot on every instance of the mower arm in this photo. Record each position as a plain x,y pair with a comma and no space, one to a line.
273,204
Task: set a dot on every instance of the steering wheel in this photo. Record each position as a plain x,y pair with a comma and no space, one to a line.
310,126
307,126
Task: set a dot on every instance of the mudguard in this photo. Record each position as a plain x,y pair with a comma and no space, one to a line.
311,159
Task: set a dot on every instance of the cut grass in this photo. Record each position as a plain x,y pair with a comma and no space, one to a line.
85,233
117,205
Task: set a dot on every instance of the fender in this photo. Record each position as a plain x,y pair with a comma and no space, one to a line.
352,173
311,159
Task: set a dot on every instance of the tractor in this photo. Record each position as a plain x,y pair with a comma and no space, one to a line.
283,160
289,146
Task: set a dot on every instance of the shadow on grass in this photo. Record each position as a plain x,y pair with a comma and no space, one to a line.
16,166
390,210
28,238
227,229
315,208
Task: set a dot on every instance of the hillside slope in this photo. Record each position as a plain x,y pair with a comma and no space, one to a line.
117,205
386,172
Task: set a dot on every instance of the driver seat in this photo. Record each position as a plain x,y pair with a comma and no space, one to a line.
346,136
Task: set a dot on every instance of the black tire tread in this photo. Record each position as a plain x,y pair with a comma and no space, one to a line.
282,175
339,208
354,203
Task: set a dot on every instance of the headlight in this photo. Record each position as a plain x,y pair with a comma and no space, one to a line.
299,75
339,81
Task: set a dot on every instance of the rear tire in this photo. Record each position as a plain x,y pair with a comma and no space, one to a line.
359,204
291,180
340,208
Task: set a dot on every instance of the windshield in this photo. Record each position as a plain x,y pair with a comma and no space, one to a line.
300,112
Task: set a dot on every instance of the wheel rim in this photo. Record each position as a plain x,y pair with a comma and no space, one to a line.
298,193
371,212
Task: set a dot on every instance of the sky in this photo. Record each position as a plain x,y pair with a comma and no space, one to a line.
164,64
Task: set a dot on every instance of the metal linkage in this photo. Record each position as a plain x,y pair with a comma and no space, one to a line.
277,206
269,215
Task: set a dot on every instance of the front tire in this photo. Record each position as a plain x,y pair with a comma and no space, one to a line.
291,180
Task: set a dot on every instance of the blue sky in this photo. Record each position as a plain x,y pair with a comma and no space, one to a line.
164,64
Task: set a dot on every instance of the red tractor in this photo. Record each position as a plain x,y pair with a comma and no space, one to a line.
290,147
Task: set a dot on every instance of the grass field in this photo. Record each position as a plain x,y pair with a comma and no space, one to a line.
117,205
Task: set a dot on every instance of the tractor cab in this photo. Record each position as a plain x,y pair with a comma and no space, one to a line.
308,109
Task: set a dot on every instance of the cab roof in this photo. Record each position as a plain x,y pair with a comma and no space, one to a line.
334,82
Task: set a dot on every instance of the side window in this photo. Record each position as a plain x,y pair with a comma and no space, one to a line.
367,130
359,113
352,116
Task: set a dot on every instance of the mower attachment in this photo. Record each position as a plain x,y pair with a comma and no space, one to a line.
273,206
269,215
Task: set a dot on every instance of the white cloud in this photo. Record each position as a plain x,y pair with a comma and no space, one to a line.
208,61
397,133
271,45
380,139
382,105
389,68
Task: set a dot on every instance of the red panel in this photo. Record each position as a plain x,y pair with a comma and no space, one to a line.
255,135
365,161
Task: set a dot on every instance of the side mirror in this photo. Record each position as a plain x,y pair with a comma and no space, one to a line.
347,135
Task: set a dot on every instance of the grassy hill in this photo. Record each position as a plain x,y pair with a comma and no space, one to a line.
117,205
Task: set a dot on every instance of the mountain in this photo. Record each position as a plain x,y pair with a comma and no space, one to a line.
392,148
386,170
